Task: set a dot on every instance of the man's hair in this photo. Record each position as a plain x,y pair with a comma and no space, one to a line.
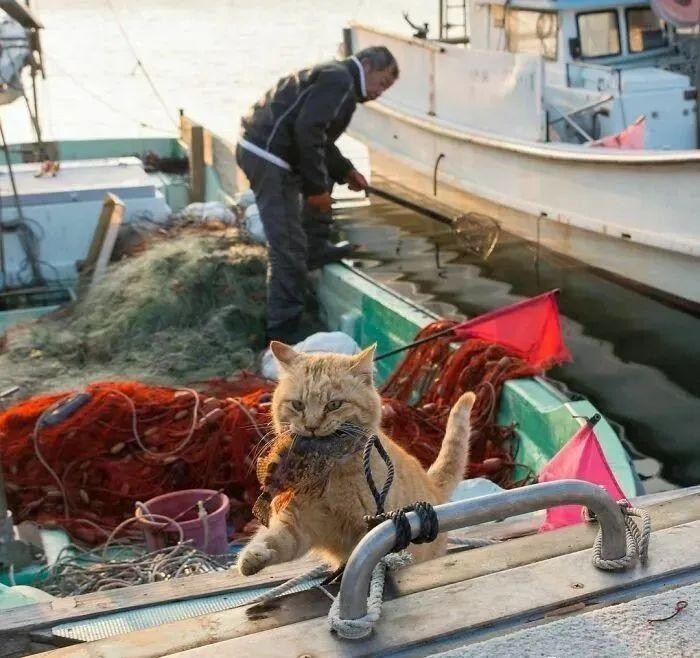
380,59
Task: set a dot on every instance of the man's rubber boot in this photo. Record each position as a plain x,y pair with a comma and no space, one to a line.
330,253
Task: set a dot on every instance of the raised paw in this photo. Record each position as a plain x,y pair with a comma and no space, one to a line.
254,558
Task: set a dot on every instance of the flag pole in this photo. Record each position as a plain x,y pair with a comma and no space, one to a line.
450,330
416,343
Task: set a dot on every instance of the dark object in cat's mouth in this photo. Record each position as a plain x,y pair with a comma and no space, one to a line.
298,463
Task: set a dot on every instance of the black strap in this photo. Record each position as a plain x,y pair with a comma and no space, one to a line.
379,498
429,527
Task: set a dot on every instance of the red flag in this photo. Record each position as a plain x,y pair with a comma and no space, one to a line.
631,137
581,458
530,327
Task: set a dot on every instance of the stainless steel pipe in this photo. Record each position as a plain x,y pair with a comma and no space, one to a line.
378,542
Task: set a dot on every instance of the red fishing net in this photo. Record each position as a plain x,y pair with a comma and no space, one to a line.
84,464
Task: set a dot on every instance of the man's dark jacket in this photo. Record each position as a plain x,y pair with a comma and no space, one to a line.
300,119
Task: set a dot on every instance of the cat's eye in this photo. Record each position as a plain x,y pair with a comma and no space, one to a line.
298,405
334,405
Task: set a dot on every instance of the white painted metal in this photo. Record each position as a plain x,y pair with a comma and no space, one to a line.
494,91
64,210
633,213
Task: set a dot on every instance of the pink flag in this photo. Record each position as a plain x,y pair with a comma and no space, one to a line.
530,327
581,458
631,137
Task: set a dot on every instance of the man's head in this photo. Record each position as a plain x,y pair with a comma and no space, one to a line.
381,70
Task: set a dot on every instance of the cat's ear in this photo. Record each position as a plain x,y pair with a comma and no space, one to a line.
364,364
284,354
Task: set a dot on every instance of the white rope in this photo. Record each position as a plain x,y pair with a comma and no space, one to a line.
637,542
472,542
357,629
316,572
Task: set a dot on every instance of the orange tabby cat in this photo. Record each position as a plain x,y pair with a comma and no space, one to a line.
316,394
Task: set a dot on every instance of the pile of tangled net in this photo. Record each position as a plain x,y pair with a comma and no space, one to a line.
188,307
130,442
419,394
94,571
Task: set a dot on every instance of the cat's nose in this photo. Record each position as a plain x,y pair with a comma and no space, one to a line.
312,429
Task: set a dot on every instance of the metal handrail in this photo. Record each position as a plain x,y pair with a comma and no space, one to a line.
379,541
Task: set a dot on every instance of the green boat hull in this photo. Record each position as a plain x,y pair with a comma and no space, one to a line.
543,417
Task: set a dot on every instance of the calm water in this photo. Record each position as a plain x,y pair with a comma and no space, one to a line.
635,359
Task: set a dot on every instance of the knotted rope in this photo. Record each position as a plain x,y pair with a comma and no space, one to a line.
358,629
637,542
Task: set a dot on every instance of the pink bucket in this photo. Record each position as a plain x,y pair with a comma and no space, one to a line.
208,534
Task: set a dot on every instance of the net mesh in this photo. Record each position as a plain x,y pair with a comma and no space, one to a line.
189,307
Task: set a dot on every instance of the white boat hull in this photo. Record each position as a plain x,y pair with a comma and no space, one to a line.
635,215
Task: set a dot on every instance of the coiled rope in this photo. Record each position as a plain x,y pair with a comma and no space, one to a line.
636,540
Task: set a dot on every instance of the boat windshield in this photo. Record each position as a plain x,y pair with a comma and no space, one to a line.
645,30
599,33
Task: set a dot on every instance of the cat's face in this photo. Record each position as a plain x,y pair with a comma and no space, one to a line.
319,392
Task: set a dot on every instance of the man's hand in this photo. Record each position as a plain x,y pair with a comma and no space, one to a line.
356,181
320,202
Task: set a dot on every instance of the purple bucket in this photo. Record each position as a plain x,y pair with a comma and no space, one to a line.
208,534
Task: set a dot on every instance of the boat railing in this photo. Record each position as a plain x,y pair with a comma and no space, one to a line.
380,541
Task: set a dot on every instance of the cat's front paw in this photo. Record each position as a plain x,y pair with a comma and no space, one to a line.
254,558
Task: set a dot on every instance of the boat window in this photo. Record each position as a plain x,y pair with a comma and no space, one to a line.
599,33
645,30
532,32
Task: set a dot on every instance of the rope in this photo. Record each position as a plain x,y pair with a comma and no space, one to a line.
135,429
379,498
475,542
357,629
316,572
139,63
637,541
81,572
429,527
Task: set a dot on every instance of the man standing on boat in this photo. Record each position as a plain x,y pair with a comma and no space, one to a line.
287,150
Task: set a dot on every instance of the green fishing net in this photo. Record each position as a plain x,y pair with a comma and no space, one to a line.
187,308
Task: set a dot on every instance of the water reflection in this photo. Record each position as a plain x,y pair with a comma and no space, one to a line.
635,358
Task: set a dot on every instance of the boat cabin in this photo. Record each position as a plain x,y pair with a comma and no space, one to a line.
606,64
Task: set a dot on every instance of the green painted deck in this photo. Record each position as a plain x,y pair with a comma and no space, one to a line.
544,418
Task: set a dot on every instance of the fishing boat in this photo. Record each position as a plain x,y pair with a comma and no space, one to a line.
572,123
205,614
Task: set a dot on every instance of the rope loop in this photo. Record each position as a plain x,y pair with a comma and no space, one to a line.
379,498
358,629
636,540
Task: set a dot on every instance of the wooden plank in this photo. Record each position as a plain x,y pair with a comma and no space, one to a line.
223,155
20,621
526,592
196,157
471,564
103,239
205,629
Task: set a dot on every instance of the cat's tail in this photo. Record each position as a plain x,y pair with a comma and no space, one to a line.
448,468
